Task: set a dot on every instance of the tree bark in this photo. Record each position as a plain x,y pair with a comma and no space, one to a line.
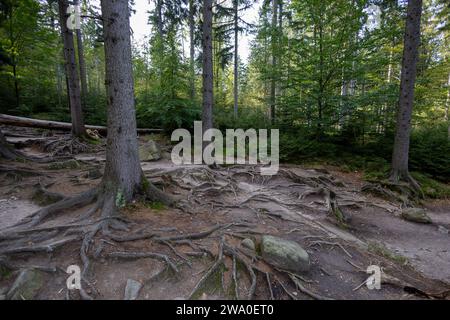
12,40
159,25
82,66
192,48
208,92
447,106
55,125
400,153
123,173
274,59
236,57
6,151
73,83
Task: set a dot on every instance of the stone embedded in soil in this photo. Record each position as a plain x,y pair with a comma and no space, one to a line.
284,254
415,215
149,151
249,244
132,289
26,286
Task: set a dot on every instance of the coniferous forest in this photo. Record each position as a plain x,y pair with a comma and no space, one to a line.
350,98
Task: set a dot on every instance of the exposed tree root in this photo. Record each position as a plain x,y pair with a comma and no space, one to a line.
19,171
80,200
9,153
101,228
301,288
140,255
68,146
236,256
219,263
398,188
43,196
331,244
331,203
378,190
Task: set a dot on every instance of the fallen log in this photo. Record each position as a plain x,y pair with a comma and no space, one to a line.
56,125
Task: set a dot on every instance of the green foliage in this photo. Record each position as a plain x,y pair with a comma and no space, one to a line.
165,103
430,150
337,78
382,250
120,199
157,206
69,164
432,188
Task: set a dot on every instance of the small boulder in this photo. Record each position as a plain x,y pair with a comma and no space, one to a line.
417,215
149,151
132,289
26,286
284,254
249,244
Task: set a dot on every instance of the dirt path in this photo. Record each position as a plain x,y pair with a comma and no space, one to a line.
290,205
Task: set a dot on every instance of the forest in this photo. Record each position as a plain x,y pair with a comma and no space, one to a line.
95,93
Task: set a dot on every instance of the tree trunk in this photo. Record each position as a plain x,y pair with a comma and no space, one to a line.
123,174
82,66
447,106
208,97
159,17
192,48
6,151
73,84
236,57
274,59
55,125
58,69
13,56
16,84
408,76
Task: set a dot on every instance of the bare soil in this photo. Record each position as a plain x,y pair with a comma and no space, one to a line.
290,205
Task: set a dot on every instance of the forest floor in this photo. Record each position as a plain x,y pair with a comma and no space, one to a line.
226,205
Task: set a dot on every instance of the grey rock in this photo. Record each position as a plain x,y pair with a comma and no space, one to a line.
417,215
149,151
132,289
249,244
26,286
2,297
284,254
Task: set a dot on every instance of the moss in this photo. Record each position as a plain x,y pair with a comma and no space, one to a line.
212,285
44,199
69,164
120,199
92,141
145,185
383,251
432,188
5,273
157,205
